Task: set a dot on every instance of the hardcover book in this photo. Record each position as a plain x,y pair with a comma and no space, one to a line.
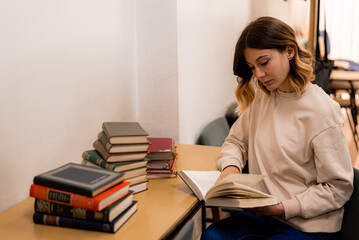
106,215
80,179
161,144
131,173
112,227
93,157
124,132
160,156
122,148
139,187
161,164
97,203
117,157
235,190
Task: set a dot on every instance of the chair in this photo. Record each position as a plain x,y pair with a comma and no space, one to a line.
350,229
214,133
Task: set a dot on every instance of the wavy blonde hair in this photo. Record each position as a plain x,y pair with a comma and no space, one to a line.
269,33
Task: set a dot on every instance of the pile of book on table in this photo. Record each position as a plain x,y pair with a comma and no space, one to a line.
161,158
121,146
83,197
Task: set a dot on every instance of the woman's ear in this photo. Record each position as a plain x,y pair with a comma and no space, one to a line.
290,52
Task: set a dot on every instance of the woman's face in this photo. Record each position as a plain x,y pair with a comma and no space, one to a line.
271,67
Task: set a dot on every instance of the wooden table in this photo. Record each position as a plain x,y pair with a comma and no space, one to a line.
349,81
162,209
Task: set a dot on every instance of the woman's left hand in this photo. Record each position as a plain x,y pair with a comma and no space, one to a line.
275,210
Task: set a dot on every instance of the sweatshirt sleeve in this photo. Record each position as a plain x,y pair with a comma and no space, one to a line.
234,150
334,183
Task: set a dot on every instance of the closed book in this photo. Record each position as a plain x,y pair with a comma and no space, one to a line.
134,172
79,179
117,157
112,227
161,144
137,179
124,132
122,148
161,164
161,175
97,203
94,157
106,215
131,173
139,187
160,156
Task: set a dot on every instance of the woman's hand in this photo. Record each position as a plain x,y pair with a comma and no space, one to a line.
275,210
228,170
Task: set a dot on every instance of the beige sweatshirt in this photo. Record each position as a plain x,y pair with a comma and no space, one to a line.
299,145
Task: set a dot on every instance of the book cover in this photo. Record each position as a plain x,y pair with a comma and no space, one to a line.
97,203
106,215
94,157
122,148
131,173
117,157
139,187
161,175
80,179
137,179
124,132
112,227
235,190
161,144
161,164
160,156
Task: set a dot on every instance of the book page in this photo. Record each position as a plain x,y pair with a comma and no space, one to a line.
204,180
239,185
244,179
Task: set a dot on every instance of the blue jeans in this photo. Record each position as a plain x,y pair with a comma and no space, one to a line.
247,226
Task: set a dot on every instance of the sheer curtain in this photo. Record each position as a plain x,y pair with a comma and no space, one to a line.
343,28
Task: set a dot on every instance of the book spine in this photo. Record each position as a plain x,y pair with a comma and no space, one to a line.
94,157
46,207
101,149
40,218
103,139
67,198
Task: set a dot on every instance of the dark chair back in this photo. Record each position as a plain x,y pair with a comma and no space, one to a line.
350,225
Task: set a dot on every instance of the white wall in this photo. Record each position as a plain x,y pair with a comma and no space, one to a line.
65,67
157,76
207,33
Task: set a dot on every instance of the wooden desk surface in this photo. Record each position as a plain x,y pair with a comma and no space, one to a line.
161,208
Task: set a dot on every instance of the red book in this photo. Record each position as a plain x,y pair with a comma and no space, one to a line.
160,144
96,203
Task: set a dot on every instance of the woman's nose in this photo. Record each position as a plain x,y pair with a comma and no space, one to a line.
259,73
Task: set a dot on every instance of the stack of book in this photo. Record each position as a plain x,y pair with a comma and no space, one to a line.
121,146
161,158
83,197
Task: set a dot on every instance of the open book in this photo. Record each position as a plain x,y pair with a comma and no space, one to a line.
235,190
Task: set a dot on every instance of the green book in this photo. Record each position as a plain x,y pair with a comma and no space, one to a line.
94,157
106,215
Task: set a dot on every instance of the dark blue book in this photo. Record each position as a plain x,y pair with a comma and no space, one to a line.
112,227
80,179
